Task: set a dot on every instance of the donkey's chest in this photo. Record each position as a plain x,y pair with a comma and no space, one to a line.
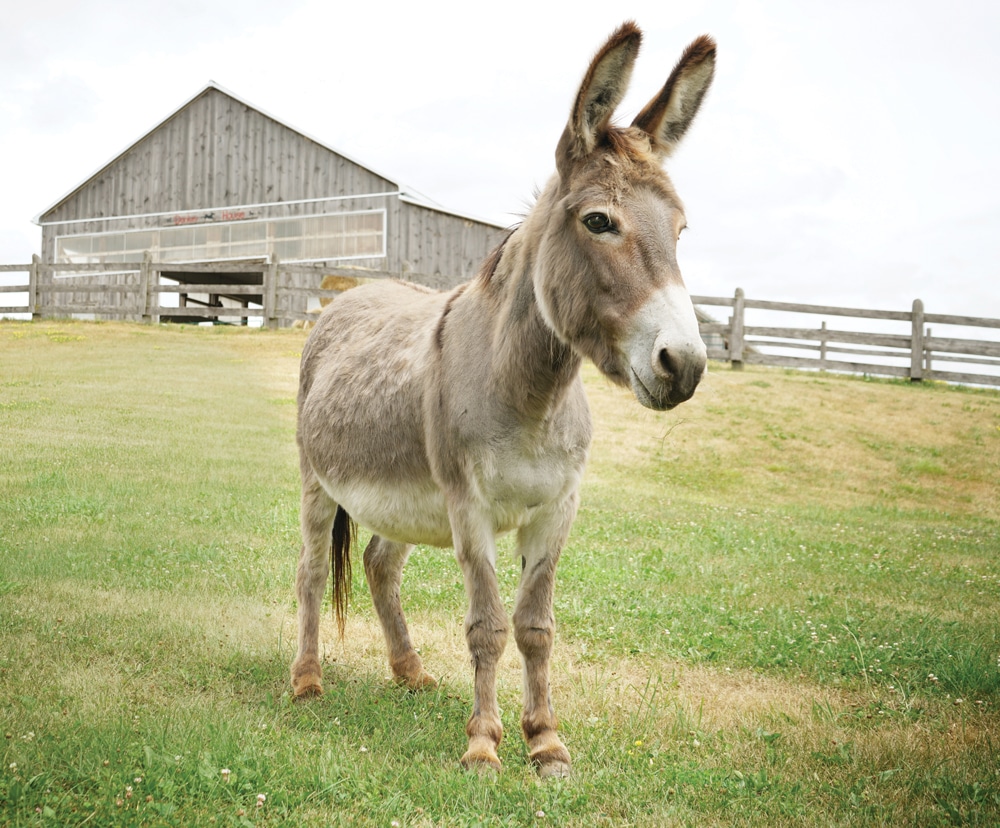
514,482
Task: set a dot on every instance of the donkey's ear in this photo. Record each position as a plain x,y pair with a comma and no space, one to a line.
667,117
600,93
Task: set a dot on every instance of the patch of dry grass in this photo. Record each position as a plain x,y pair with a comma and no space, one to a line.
763,435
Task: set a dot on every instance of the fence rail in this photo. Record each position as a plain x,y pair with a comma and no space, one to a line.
280,293
271,290
915,353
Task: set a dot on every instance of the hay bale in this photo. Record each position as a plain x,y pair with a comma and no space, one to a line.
340,283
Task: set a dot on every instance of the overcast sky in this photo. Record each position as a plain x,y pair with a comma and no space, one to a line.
849,153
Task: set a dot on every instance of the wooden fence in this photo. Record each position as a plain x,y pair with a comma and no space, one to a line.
278,293
913,353
281,293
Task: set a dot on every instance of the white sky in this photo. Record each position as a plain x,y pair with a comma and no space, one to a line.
848,153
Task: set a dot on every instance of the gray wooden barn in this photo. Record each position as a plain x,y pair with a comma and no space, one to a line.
220,180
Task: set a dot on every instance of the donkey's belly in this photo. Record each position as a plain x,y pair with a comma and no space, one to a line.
408,512
416,511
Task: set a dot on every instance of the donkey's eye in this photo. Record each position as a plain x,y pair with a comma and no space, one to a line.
598,223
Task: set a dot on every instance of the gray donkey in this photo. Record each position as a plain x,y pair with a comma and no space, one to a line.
450,418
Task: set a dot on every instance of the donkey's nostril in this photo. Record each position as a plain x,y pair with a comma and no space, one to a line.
667,363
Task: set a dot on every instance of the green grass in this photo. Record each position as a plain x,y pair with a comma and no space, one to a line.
779,606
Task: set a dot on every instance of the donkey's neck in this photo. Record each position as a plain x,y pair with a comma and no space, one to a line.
531,368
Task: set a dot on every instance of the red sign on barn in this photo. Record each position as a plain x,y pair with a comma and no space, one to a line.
212,216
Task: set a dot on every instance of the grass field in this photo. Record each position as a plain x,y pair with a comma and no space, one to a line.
780,605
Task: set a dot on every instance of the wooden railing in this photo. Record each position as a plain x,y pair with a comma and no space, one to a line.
913,353
280,295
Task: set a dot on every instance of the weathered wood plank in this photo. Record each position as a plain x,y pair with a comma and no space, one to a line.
980,360
321,269
975,347
964,379
90,267
736,332
211,287
827,310
968,321
757,358
207,313
89,287
96,310
723,301
852,337
760,344
232,266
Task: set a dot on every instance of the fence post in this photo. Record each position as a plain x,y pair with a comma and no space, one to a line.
145,286
271,293
33,286
917,342
736,333
822,345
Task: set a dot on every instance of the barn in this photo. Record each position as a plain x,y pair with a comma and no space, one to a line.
219,180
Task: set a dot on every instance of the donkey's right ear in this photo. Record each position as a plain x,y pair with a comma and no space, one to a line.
600,93
667,117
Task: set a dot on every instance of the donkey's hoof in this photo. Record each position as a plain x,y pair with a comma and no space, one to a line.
307,687
409,671
307,679
481,756
421,681
483,764
555,769
549,755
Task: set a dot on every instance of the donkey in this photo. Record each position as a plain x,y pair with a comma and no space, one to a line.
447,419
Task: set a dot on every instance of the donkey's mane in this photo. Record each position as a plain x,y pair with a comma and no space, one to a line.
489,266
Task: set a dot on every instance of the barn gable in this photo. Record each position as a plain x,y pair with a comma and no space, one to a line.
216,150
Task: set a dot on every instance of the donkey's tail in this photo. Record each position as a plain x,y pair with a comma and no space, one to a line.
344,531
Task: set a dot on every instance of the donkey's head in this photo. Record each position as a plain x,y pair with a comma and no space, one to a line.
607,280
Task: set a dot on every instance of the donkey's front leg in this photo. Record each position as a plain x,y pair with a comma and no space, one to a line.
486,634
534,629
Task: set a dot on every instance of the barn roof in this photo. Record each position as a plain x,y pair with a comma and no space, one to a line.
409,194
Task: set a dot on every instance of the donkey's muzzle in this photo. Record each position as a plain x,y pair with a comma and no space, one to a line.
679,373
666,353
672,376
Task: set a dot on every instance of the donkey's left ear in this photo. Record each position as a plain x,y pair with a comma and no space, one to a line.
602,90
667,117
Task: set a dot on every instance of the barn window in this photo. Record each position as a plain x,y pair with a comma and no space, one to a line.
349,235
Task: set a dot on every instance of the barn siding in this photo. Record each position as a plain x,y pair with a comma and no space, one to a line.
441,244
214,152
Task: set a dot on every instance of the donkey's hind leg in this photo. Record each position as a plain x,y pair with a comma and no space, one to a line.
317,514
384,562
